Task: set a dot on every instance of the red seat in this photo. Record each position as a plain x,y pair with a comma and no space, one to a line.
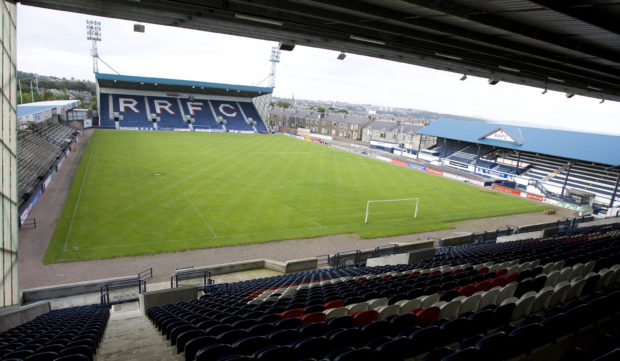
467,290
499,281
514,277
436,272
333,304
426,316
312,317
483,286
457,271
413,274
360,318
483,270
295,312
501,272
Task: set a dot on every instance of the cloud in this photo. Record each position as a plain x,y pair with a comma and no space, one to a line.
54,43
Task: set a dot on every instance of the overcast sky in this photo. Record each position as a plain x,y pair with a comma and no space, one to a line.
54,43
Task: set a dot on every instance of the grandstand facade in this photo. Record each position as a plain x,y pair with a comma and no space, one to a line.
140,103
575,167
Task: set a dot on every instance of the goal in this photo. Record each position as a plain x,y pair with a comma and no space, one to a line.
415,211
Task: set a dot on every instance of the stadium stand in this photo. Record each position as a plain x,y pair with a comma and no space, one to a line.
70,333
40,146
133,113
489,302
582,174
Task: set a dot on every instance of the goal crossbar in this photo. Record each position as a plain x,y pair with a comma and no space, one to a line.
415,212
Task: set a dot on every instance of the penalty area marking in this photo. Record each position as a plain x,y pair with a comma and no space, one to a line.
200,215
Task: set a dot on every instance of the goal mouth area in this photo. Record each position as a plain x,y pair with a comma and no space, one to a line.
402,209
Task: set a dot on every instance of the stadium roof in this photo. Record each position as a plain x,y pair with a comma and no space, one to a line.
597,148
567,46
31,108
176,85
24,109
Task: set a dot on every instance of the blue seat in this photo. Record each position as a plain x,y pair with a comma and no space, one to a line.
348,337
425,339
396,349
316,347
468,354
360,354
192,346
214,352
494,347
249,345
275,353
438,354
457,329
528,337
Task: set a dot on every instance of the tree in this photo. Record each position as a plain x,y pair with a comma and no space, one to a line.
48,95
320,109
93,102
283,104
331,109
342,111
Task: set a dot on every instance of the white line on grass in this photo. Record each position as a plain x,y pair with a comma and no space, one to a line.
77,202
200,214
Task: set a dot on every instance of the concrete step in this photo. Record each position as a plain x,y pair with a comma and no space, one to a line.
130,336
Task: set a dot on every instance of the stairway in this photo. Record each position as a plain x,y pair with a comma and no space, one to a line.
130,336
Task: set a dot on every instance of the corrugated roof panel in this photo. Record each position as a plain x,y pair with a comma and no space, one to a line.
597,148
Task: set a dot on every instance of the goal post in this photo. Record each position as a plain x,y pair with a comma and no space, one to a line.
415,212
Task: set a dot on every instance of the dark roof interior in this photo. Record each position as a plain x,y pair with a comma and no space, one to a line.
568,46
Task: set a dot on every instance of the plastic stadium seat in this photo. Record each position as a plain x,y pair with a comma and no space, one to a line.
488,298
193,345
339,322
470,304
249,345
467,290
407,306
449,310
468,354
494,347
316,347
214,352
523,306
559,294
528,337
312,317
296,312
276,353
185,337
348,337
429,300
364,316
361,354
426,316
541,300
387,311
396,349
333,304
282,337
357,307
377,302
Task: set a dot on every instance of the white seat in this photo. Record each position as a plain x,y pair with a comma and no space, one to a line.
357,307
427,301
408,305
559,265
565,274
523,306
548,267
541,300
578,269
488,298
376,302
509,300
552,278
449,310
603,282
576,285
470,304
506,292
559,294
336,312
387,311
589,267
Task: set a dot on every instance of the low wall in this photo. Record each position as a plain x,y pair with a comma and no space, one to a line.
73,289
298,265
167,296
14,316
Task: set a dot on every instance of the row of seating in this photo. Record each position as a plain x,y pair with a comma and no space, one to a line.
63,335
258,313
172,112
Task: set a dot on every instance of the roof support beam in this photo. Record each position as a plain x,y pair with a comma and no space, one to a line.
536,33
582,12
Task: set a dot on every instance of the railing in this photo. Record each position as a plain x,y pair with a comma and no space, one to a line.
139,283
106,289
186,274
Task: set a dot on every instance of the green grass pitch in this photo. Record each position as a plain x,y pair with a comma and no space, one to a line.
148,192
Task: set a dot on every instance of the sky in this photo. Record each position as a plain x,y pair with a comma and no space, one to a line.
54,43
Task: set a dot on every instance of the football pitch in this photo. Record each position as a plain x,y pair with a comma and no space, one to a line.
150,192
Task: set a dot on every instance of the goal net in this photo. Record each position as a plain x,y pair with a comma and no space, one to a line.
392,208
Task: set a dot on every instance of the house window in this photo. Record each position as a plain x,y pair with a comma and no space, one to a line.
323,123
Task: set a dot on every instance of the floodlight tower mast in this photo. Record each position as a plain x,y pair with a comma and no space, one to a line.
275,59
93,33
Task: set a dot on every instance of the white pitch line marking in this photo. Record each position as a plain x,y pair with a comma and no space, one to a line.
200,214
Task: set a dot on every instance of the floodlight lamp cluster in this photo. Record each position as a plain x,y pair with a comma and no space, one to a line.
93,30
